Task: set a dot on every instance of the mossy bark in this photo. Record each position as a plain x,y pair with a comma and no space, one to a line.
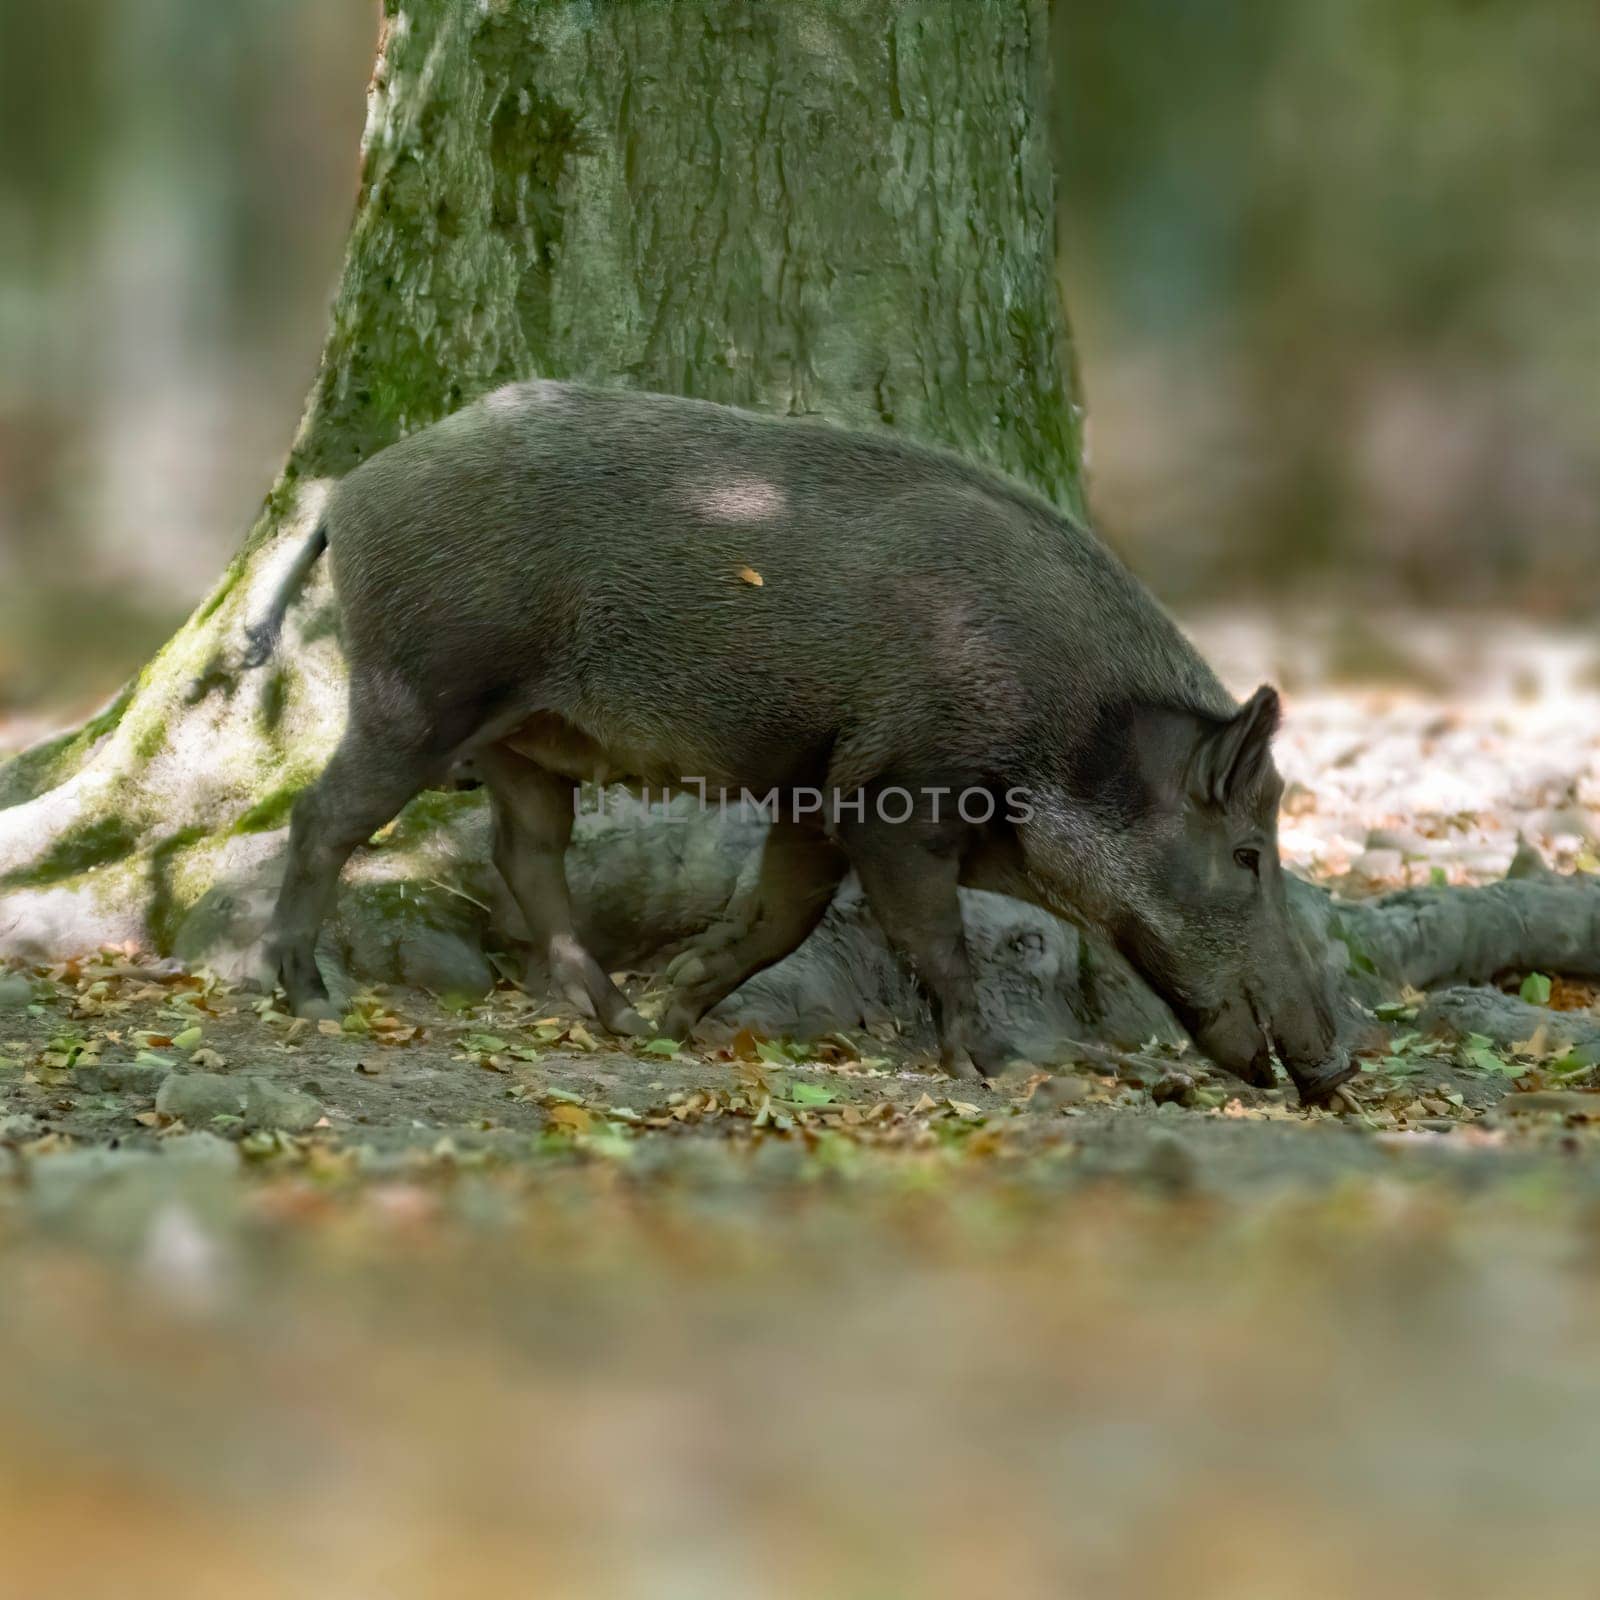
834,207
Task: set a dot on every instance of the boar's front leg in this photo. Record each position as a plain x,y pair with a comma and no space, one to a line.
910,871
384,758
800,870
532,827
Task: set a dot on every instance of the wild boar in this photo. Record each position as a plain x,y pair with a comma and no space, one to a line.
565,583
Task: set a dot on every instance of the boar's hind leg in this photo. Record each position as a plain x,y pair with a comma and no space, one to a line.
800,870
909,872
369,778
532,827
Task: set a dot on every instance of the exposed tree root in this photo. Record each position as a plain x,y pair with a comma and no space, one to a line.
1424,938
1506,1021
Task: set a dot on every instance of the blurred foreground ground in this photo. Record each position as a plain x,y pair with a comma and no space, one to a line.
460,1300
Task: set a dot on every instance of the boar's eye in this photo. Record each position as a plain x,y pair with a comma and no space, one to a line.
1250,860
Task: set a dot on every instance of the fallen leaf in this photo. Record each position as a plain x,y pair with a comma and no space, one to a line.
1535,1045
812,1094
573,1118
752,577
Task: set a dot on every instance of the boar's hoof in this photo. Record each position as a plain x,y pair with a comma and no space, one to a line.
629,1024
958,1064
677,1021
1317,1087
317,1008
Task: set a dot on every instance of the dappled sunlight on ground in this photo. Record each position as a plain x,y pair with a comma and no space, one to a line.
1419,749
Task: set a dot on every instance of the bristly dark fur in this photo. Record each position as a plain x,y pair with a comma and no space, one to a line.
565,583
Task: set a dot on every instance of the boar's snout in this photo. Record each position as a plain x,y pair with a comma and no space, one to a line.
1317,1083
1298,1019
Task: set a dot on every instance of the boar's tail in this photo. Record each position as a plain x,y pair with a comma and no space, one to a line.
263,635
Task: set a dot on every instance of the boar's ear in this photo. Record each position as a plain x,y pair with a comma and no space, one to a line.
1231,755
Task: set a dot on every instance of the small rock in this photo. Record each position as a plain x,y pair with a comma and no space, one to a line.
268,1106
15,991
127,1077
198,1097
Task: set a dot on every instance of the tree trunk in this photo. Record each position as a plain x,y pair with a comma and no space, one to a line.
832,207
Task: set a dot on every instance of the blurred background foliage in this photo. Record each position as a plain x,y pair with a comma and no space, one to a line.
1333,268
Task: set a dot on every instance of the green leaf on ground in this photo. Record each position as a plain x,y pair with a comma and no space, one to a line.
812,1094
1478,1052
1578,1059
1535,989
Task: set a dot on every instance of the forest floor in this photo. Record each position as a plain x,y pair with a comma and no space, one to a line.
456,1295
